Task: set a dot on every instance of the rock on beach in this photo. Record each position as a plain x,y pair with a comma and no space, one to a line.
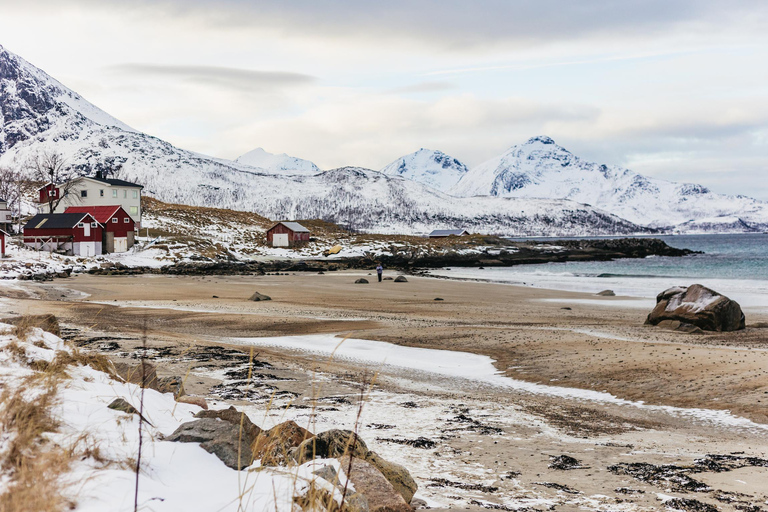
698,306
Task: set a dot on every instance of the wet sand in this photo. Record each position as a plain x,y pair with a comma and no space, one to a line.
589,346
604,348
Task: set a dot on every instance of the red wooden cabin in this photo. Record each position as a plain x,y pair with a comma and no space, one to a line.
287,234
119,227
79,234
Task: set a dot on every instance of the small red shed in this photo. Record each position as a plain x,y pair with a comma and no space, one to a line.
78,234
287,234
119,227
3,236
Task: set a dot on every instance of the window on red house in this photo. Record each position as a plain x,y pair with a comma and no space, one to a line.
114,220
126,220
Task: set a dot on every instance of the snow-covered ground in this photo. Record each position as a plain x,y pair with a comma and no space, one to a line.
174,476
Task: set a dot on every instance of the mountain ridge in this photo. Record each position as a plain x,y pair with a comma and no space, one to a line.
39,113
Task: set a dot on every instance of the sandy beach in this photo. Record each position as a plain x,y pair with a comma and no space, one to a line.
611,391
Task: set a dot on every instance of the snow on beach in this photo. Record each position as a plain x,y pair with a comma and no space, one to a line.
464,368
104,444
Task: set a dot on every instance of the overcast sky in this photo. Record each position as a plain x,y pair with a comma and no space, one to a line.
672,89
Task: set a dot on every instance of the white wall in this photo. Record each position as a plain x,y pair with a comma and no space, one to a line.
100,194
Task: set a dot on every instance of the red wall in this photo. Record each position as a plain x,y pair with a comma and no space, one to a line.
45,191
120,228
95,236
2,243
293,237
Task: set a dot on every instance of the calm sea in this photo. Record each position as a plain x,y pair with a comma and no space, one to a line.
736,265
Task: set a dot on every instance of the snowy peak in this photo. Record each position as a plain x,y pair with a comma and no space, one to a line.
27,92
277,164
539,168
429,167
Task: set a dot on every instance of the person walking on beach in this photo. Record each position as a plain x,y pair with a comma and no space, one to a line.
379,270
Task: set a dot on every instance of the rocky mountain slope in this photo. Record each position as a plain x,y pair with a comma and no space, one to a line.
432,168
541,168
41,114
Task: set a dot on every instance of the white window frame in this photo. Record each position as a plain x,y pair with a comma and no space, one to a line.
114,193
135,194
114,220
126,220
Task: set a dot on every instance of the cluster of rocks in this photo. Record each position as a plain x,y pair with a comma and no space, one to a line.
379,485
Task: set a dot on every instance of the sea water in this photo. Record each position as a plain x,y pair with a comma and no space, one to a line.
735,265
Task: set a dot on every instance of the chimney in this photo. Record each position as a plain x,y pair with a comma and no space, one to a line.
99,174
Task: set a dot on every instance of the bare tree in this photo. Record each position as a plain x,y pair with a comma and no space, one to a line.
14,188
50,167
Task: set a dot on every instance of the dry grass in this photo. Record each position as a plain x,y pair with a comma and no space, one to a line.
34,464
34,467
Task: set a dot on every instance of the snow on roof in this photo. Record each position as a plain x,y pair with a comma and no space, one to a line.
117,183
293,226
448,232
55,220
101,213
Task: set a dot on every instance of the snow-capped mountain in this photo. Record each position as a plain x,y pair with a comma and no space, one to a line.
432,168
277,164
541,168
39,113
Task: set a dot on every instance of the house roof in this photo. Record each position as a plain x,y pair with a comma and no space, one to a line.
448,232
115,183
107,181
55,220
101,213
293,226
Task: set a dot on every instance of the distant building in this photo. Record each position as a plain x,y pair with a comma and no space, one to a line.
6,218
287,234
3,236
94,191
78,234
119,227
442,233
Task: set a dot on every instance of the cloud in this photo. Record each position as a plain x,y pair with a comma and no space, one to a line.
233,78
423,87
457,25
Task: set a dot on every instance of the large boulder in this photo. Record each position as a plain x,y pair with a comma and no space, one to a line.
330,444
699,306
256,297
368,481
235,417
274,445
226,440
333,444
398,475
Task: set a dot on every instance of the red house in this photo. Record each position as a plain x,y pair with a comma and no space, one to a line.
3,236
287,234
48,191
77,234
119,227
